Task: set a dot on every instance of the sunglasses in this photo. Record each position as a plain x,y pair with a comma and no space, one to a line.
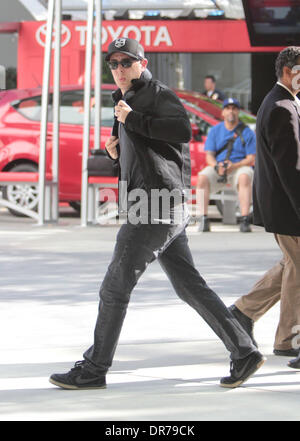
126,63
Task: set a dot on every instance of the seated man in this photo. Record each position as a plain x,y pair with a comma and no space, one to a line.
230,154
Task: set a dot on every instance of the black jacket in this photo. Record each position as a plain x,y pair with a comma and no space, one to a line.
276,191
159,130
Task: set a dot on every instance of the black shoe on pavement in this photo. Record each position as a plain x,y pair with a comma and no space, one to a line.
245,225
242,369
78,378
286,352
246,322
295,363
204,224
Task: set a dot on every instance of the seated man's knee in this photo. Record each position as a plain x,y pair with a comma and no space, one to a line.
244,180
203,181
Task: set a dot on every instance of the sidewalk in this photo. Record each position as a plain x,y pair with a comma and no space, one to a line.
168,363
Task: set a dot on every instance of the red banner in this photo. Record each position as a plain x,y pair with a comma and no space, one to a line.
217,36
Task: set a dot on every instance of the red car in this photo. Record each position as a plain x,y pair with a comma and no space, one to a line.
20,112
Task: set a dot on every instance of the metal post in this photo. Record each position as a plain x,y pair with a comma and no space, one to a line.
56,110
44,112
87,101
2,78
98,74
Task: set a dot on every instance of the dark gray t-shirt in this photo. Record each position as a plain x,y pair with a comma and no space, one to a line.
129,165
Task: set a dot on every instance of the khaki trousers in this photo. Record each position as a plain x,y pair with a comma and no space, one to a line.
282,282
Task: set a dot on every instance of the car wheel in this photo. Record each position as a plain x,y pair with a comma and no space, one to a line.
76,205
26,196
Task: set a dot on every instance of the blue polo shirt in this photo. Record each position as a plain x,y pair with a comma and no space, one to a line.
218,136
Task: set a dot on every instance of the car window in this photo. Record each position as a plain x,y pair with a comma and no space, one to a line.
72,108
107,110
30,108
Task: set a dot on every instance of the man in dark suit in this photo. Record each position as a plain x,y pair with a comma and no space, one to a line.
210,89
276,201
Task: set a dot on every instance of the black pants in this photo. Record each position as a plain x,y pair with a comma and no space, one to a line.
136,247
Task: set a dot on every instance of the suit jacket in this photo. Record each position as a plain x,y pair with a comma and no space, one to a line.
276,189
217,95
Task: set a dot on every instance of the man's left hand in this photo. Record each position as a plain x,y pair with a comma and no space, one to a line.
121,111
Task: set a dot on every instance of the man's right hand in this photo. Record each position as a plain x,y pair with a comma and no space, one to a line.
111,146
220,169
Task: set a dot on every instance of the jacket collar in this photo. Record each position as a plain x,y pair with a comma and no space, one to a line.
286,94
136,85
284,91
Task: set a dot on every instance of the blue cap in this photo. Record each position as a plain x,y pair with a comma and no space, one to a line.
232,101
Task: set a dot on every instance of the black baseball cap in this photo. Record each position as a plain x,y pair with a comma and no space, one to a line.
127,46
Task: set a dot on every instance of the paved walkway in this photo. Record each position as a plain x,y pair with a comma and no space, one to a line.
168,363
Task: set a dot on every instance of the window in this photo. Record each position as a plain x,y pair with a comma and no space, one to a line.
30,108
71,108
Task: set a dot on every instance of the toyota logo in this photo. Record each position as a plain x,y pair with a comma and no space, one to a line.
41,32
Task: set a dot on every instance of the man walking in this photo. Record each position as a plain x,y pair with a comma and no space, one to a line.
149,141
276,200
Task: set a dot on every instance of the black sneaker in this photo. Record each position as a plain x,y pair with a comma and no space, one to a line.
78,378
295,363
246,322
204,224
241,370
245,225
